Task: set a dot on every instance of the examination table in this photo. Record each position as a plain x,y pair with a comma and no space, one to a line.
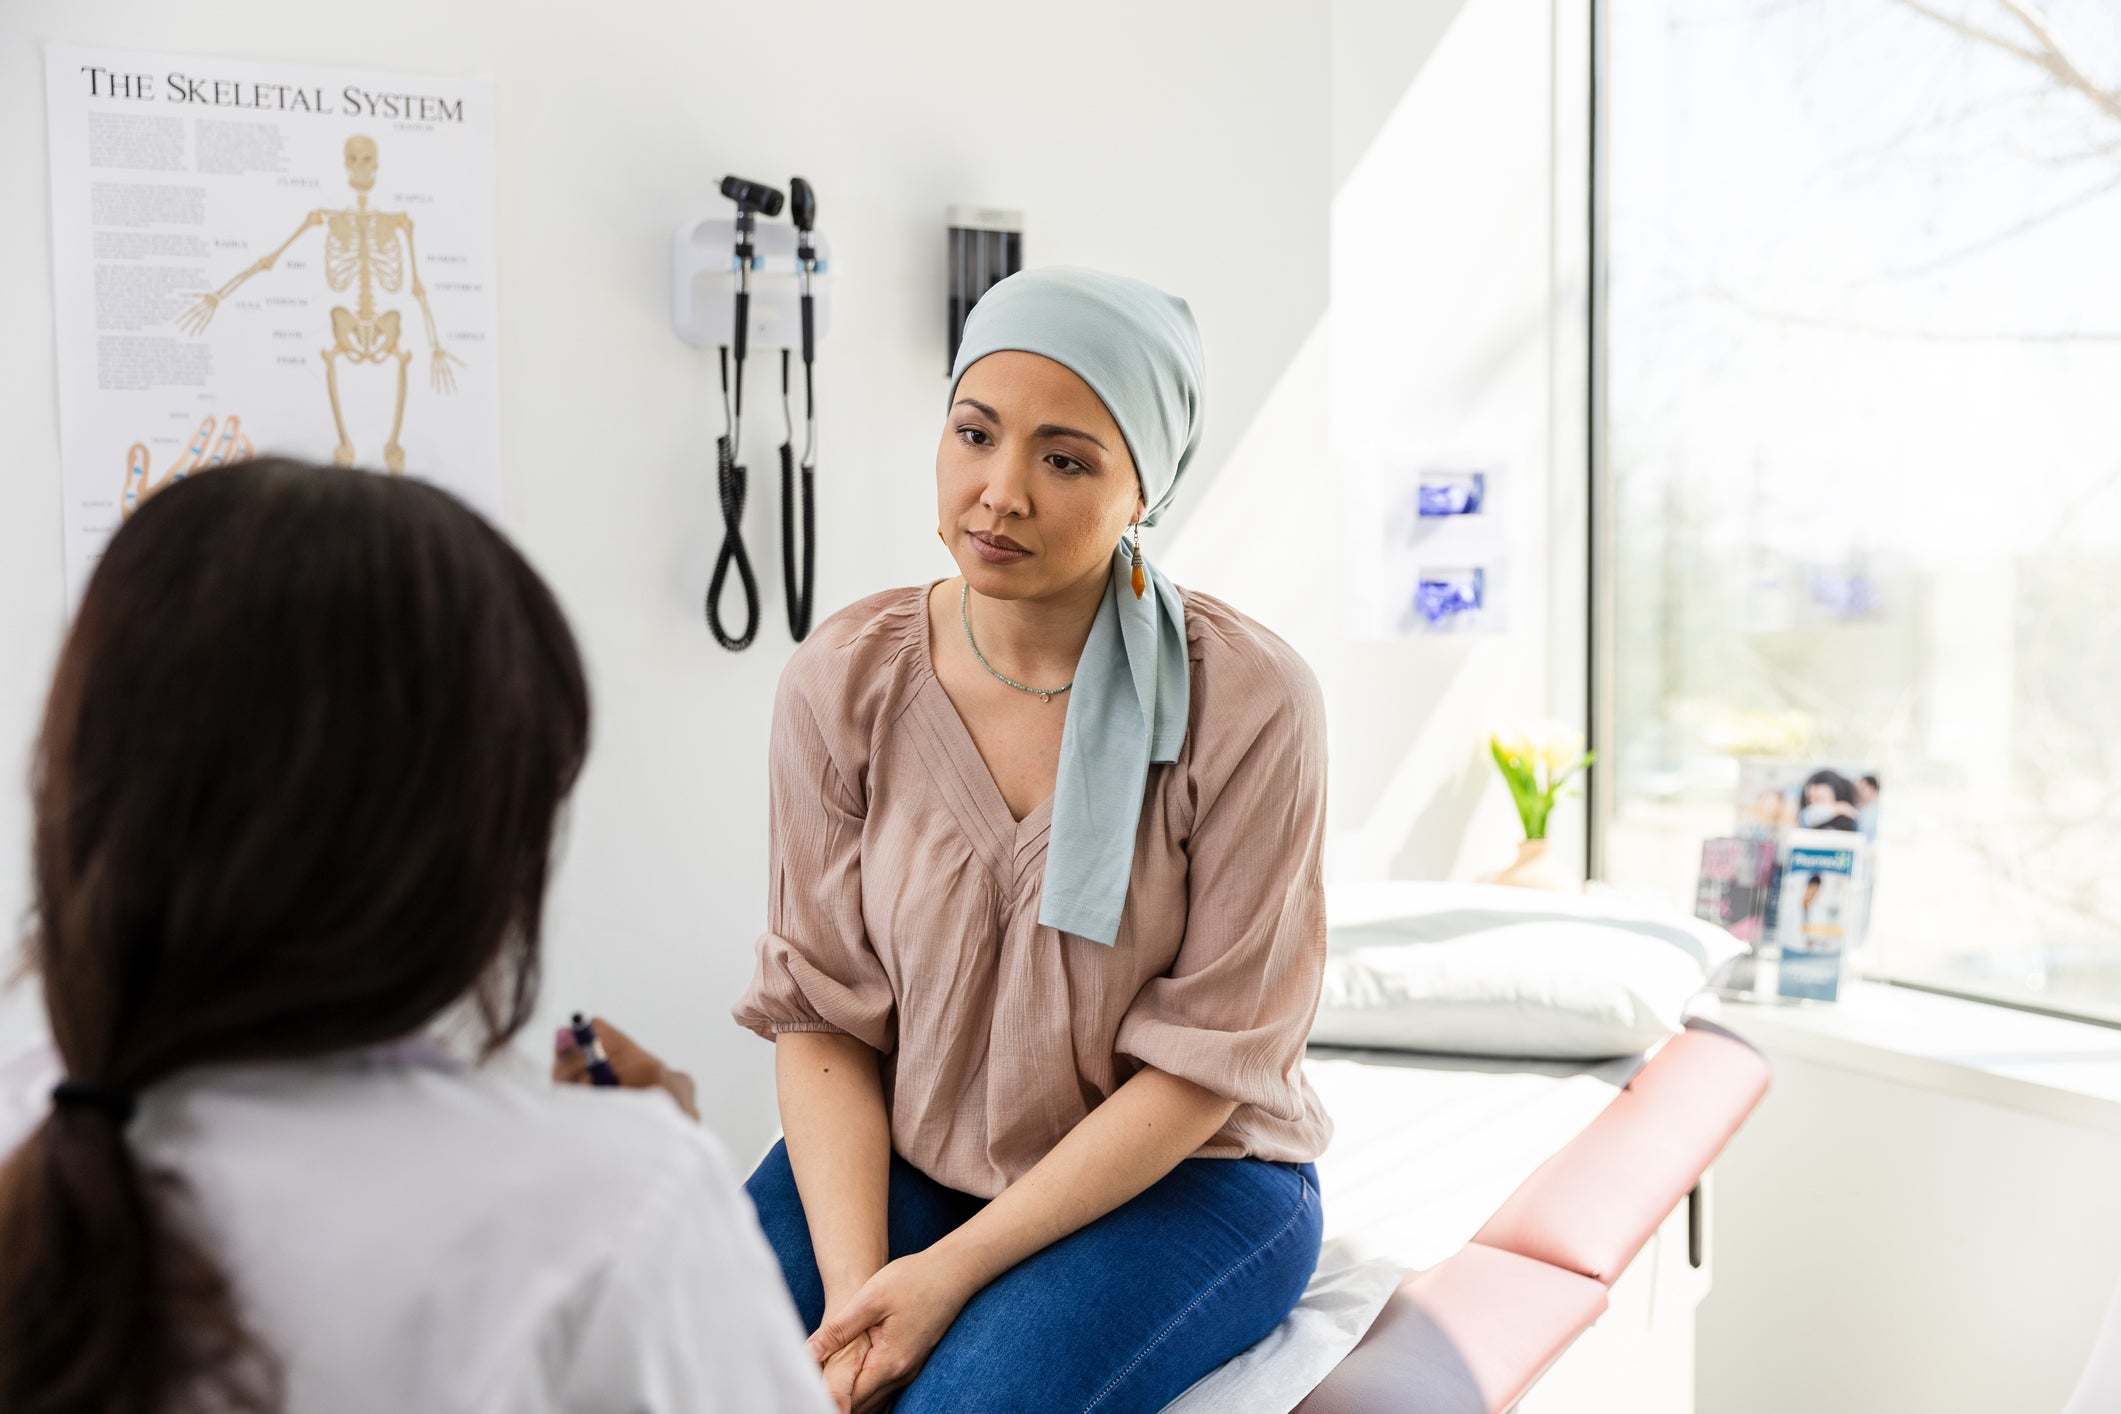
1559,1261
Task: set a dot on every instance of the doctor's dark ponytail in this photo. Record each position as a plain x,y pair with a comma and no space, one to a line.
294,795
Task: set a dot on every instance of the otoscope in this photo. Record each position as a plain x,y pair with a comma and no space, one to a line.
800,585
751,198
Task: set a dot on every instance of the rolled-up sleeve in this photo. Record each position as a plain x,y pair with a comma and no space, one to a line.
816,969
1232,1012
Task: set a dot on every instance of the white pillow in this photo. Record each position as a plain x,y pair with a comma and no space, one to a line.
1488,970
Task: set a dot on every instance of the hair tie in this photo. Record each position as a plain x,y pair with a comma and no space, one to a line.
80,1094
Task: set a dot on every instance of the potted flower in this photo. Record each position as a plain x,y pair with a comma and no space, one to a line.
1536,762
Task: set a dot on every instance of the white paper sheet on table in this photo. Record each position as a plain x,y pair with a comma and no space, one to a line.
1344,1297
1425,1148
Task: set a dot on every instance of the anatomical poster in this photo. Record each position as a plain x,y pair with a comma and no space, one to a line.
255,258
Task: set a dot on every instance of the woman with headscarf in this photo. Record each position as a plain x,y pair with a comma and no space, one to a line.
1046,919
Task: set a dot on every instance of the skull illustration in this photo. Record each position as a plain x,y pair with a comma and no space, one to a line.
361,162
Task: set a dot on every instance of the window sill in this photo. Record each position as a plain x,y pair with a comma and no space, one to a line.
2064,1070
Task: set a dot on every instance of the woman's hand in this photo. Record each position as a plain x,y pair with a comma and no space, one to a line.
905,1309
637,1067
842,1369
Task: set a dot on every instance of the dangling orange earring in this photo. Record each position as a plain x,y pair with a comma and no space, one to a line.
1141,581
942,537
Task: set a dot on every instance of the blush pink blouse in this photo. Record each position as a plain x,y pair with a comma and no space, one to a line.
904,903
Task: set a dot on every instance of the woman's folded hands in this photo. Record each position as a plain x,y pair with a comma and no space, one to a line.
842,1370
900,1313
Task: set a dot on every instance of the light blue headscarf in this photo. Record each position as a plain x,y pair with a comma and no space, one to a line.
1139,351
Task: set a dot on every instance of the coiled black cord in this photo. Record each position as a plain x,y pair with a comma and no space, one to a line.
729,484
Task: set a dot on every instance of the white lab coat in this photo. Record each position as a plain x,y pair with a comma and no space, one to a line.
407,1232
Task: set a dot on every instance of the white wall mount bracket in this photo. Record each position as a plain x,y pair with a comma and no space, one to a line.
703,285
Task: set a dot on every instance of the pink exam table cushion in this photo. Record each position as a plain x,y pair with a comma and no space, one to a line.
1591,1207
1472,1334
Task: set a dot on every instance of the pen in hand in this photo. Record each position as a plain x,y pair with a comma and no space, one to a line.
598,1053
585,1040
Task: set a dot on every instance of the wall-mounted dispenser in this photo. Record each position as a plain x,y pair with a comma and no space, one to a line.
986,247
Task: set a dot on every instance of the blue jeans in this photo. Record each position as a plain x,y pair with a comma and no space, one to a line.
1117,1317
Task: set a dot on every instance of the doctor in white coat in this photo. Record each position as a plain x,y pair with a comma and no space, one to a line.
294,801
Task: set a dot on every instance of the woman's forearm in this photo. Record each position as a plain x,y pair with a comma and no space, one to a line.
1117,1151
839,1146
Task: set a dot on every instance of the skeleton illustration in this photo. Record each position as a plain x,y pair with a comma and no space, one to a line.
366,251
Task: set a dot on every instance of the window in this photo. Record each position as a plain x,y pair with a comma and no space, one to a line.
1861,485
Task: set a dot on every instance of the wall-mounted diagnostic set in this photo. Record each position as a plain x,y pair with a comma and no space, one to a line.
738,285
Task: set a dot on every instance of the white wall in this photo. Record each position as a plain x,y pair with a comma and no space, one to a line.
1186,143
1454,336
1454,342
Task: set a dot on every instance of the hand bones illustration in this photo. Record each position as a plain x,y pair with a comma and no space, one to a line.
232,446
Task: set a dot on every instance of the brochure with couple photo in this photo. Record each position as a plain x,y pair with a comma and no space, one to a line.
1795,878
1777,795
